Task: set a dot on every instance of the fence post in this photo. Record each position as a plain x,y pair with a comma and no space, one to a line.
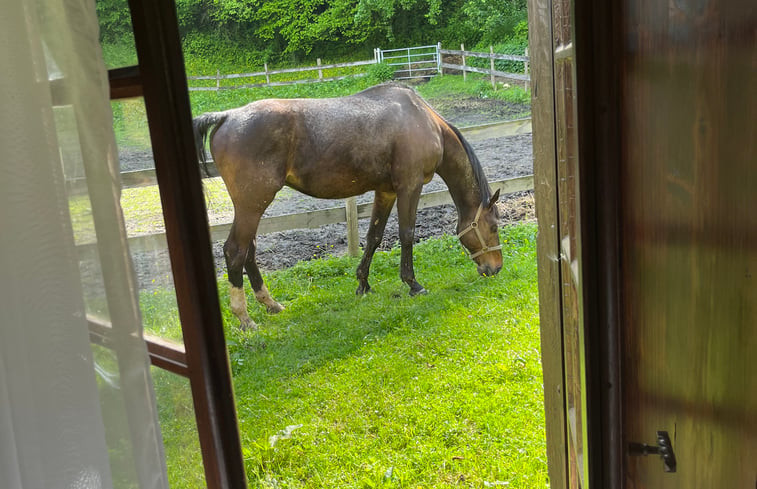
439,58
353,237
491,64
320,72
525,68
462,48
409,66
265,69
218,79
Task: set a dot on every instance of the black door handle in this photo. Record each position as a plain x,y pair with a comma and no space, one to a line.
664,448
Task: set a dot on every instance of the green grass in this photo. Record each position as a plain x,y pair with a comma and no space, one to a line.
476,85
385,390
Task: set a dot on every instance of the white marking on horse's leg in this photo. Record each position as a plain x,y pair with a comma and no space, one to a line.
264,297
239,308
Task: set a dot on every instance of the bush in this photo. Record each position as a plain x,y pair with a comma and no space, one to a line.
379,73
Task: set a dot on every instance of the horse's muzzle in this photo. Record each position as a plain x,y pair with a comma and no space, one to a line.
487,270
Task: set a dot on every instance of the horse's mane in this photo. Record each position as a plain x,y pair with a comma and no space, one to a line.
478,170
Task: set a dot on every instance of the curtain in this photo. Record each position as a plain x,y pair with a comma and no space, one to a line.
72,415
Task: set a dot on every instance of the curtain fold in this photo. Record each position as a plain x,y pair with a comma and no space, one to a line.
70,415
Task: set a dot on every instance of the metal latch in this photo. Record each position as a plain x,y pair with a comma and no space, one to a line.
664,448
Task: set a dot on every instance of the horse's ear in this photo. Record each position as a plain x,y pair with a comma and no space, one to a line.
494,199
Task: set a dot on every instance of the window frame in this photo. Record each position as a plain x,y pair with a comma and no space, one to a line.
160,79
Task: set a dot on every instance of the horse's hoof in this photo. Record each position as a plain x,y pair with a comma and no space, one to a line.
420,291
248,325
275,308
363,289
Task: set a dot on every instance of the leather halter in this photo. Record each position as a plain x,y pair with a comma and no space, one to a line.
474,226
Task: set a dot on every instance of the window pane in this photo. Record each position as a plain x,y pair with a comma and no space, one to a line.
181,441
143,216
116,36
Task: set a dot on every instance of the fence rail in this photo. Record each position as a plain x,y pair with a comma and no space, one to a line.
491,56
474,54
314,219
146,178
348,213
414,62
267,74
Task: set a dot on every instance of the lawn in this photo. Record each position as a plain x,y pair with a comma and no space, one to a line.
386,390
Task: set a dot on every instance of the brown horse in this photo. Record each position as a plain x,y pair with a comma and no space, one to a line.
385,139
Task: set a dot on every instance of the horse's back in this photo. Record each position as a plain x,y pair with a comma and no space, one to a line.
333,147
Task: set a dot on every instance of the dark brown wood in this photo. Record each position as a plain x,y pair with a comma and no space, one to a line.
596,46
167,105
689,211
575,265
125,82
548,242
163,354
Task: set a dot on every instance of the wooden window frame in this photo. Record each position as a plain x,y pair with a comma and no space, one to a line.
596,45
160,79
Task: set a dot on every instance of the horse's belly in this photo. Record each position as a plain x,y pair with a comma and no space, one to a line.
330,185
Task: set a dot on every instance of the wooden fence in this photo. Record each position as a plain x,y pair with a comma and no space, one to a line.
146,178
268,73
379,55
524,77
349,213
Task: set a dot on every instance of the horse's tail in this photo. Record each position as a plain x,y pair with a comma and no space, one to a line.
201,126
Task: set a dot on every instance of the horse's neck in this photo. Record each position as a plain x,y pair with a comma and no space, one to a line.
458,174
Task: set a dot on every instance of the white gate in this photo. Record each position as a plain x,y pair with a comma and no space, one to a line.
417,62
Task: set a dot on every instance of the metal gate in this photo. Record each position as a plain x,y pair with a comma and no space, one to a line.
417,62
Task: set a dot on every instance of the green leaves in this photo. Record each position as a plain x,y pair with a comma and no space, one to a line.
252,31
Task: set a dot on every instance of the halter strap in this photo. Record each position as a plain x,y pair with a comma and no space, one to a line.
473,226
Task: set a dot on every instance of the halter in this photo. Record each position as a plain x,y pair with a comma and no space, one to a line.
474,226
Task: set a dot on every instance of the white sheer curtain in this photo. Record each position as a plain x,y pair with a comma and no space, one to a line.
70,416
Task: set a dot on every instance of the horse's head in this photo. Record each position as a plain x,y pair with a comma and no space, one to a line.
481,238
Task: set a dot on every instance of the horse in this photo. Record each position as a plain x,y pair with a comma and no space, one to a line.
384,139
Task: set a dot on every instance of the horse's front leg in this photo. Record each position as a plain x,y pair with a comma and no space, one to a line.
382,207
407,207
256,280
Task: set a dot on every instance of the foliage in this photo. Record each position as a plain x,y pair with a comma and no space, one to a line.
380,72
384,390
495,20
239,32
115,21
515,44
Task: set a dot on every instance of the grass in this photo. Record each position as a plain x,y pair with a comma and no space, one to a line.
386,390
476,85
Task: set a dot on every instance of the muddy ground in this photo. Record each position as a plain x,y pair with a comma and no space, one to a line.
501,158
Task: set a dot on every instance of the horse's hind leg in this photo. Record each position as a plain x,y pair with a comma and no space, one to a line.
235,252
382,207
256,280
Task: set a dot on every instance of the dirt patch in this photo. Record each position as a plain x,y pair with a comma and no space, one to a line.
468,111
501,158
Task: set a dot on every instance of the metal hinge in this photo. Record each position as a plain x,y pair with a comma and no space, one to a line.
664,449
